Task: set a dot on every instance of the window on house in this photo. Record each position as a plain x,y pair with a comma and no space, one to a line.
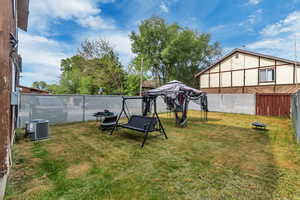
266,75
237,56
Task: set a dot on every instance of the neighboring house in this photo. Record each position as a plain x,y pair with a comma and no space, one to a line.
149,84
243,71
13,15
30,90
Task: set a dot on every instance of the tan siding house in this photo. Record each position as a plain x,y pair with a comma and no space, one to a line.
243,71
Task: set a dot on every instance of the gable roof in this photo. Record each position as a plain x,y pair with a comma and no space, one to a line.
246,52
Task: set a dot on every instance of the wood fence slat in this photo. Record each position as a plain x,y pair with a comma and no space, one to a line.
273,104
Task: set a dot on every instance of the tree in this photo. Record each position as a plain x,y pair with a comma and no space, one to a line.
187,54
96,49
96,66
153,37
42,85
172,52
132,84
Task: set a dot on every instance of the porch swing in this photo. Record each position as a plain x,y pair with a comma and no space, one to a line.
141,123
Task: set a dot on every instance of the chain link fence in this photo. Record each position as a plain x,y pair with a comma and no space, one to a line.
229,103
74,108
78,108
296,113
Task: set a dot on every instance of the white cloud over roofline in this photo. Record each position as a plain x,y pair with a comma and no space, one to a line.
278,39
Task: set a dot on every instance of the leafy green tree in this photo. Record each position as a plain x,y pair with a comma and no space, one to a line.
42,85
186,54
172,52
96,66
132,84
153,36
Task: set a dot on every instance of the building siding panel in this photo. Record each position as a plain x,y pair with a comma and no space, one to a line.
266,62
238,78
214,80
215,68
204,81
285,74
226,65
297,76
225,79
251,61
238,61
251,77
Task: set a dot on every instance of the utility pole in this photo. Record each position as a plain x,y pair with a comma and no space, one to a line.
141,78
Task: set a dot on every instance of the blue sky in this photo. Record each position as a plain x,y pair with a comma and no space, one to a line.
56,28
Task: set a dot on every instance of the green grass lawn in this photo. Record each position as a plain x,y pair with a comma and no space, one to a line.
222,158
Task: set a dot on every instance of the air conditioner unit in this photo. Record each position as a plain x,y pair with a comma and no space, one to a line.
37,129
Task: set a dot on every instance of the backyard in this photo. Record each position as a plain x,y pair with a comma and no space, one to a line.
223,158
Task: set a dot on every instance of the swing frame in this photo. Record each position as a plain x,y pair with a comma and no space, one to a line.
149,122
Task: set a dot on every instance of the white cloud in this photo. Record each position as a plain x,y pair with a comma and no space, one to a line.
290,24
252,20
278,39
84,12
163,7
254,2
42,57
95,22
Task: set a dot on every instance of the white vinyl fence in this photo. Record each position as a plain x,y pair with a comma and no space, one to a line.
77,108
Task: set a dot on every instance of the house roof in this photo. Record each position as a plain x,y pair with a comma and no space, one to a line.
246,52
150,84
33,89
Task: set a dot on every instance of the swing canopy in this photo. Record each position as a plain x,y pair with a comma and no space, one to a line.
177,97
172,89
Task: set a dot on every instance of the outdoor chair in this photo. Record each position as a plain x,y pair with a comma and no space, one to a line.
141,124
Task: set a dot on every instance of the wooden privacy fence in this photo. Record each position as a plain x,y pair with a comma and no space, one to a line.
273,104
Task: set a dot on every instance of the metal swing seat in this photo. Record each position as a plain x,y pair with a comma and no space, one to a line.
141,123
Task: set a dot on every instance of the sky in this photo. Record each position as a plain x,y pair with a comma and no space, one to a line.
57,27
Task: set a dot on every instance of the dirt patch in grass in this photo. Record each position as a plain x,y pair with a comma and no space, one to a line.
37,186
78,170
56,149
